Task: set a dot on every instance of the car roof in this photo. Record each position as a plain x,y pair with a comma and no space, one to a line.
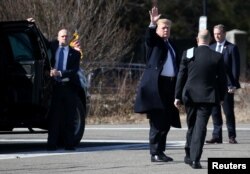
17,25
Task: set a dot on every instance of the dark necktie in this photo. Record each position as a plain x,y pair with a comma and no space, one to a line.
172,57
60,61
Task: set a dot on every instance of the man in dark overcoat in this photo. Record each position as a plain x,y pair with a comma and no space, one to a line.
155,95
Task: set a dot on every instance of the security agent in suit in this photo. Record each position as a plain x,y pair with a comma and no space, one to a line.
63,109
201,84
232,64
155,95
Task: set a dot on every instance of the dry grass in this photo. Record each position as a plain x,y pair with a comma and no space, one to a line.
117,108
242,103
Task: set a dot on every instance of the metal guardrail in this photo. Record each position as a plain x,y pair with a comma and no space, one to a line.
110,77
132,66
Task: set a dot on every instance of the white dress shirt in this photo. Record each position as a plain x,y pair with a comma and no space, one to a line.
168,68
221,46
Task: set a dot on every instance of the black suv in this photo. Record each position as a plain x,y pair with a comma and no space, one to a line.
25,90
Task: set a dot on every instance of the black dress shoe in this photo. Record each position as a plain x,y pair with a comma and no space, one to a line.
156,158
165,157
214,140
161,157
196,165
232,140
187,160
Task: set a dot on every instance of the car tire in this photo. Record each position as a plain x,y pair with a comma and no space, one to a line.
79,125
79,122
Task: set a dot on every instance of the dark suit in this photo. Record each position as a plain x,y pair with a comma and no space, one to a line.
232,65
200,84
63,108
155,95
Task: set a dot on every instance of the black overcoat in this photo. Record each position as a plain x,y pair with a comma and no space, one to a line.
148,98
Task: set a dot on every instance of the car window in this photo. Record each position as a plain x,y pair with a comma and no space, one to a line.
21,47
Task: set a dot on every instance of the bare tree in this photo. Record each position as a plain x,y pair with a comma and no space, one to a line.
98,23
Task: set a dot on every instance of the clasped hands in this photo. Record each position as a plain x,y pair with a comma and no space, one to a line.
55,73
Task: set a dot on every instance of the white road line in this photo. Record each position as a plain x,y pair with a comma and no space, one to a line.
131,144
84,141
173,129
135,128
28,155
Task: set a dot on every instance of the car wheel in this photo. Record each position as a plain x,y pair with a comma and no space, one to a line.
79,125
79,122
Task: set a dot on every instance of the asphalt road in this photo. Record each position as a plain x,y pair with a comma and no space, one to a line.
108,149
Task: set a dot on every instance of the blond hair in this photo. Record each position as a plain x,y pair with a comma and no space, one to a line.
164,21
